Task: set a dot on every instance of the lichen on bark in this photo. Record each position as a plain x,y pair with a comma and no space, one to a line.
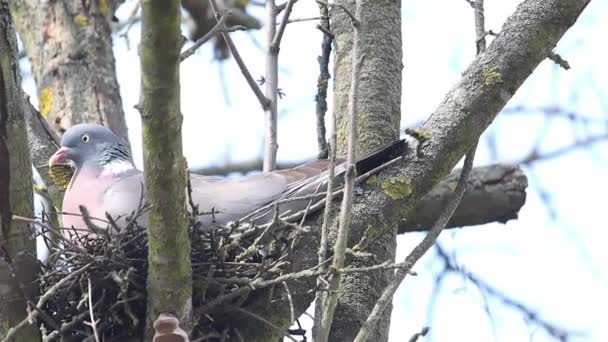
69,45
378,122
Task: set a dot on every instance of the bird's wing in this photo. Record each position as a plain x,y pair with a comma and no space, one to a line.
124,197
233,198
230,198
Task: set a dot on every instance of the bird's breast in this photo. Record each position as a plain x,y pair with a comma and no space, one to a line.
84,191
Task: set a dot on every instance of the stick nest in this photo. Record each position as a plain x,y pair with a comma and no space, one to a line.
225,261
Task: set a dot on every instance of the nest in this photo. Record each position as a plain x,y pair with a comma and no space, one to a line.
109,272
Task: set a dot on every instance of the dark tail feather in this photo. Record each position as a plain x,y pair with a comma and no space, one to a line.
380,156
375,159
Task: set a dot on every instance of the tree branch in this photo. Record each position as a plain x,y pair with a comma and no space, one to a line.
217,28
496,194
340,245
420,249
169,284
69,44
264,101
271,82
323,80
18,265
467,110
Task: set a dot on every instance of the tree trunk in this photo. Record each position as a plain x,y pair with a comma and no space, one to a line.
527,38
18,265
379,116
169,272
69,45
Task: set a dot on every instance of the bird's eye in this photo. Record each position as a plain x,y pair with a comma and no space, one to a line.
85,138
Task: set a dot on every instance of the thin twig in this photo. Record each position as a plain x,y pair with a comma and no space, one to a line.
419,334
265,321
451,265
320,295
273,42
133,18
93,321
276,42
535,156
559,60
340,245
292,314
264,102
300,20
323,81
43,299
418,251
217,28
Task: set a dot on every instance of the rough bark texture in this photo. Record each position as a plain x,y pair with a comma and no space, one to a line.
379,115
468,109
69,45
495,194
169,272
380,87
18,266
43,142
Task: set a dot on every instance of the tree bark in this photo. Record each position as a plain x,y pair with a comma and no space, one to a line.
379,116
527,38
69,45
18,265
43,142
169,272
495,194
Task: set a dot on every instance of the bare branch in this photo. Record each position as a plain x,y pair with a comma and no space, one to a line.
323,245
340,245
276,42
271,144
43,299
169,284
264,102
93,322
323,81
219,26
559,60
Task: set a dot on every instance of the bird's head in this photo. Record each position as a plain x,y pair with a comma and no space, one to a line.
90,144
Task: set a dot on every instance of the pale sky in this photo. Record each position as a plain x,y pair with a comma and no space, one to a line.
556,265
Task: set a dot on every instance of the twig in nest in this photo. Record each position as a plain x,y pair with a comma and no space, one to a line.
45,297
93,322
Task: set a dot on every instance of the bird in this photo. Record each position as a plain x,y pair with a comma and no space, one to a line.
106,182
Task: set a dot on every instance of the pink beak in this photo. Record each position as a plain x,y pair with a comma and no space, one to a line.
59,156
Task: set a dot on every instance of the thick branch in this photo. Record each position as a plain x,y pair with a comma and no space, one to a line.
18,266
43,142
468,109
378,124
496,193
169,285
69,45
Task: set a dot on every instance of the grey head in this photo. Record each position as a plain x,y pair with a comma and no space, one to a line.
90,144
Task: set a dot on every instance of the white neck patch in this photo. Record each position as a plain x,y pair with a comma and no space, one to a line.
117,167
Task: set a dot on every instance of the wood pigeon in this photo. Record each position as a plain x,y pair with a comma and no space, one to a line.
106,180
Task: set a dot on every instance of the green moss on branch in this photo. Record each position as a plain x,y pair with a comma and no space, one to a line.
170,275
